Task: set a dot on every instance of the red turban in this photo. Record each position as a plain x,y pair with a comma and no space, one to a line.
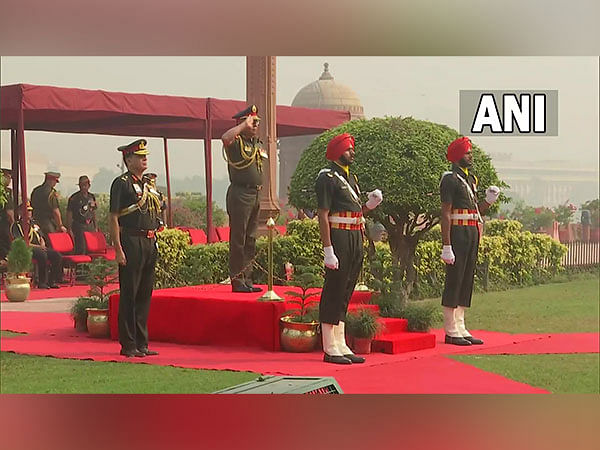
338,145
458,148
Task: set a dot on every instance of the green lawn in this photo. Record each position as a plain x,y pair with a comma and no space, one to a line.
41,375
560,374
569,307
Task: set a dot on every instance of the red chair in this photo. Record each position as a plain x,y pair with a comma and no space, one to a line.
197,236
63,244
281,230
95,243
222,233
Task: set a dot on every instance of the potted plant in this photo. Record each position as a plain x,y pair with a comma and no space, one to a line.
18,284
91,312
299,326
362,326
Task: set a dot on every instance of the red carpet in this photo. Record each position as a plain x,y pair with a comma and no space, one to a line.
424,371
65,291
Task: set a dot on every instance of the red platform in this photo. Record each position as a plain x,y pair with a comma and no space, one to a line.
213,315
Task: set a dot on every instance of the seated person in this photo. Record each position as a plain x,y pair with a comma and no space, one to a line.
48,260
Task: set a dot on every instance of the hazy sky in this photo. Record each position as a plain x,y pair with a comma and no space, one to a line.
422,87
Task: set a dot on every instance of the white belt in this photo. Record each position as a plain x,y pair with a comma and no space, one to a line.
347,220
464,217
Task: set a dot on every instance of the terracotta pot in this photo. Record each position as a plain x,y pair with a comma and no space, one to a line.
298,337
97,322
17,288
361,346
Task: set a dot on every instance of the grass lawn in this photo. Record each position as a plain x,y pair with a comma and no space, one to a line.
42,375
570,307
560,374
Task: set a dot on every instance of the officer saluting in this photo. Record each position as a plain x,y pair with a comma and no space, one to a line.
341,226
133,222
460,219
244,155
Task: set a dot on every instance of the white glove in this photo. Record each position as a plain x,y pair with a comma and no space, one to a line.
491,194
448,255
331,261
375,198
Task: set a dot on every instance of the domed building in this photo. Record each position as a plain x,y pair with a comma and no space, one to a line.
323,93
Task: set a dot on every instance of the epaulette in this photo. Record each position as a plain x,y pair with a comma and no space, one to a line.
124,177
443,175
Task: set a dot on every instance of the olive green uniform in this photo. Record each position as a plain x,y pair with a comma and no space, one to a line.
44,200
83,210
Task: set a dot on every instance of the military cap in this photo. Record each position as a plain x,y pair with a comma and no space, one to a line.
251,110
55,175
7,172
151,175
27,205
136,147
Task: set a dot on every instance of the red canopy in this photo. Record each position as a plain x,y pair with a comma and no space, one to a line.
69,110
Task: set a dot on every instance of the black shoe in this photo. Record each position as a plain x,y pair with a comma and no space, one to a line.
336,359
355,359
456,340
147,352
474,340
43,286
132,353
54,286
253,288
241,288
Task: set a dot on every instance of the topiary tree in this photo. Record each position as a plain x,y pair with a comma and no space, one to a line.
405,158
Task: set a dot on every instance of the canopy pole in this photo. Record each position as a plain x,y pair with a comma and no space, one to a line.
168,176
210,227
14,165
21,152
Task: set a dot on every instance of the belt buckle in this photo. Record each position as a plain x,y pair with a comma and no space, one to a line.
150,234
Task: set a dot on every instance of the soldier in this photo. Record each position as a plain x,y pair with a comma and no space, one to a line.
461,221
7,215
44,200
49,261
133,223
244,155
341,226
81,213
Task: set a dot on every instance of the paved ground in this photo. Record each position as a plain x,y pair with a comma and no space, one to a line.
56,305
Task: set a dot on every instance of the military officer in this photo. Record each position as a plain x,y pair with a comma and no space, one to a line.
244,155
341,226
7,215
461,221
44,200
81,213
133,222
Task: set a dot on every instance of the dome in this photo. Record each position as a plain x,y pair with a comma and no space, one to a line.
325,93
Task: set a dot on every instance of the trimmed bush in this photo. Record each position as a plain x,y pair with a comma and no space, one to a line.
172,247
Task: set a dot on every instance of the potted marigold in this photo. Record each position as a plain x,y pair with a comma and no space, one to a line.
18,283
299,326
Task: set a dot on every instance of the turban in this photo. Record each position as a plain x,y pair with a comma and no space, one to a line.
338,145
458,148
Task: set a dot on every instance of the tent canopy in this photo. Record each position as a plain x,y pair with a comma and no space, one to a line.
70,110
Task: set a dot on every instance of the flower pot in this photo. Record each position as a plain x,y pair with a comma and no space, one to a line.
17,288
298,337
361,346
80,323
97,322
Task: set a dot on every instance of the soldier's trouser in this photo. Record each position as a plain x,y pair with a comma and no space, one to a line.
339,284
136,279
47,226
4,240
78,238
458,288
242,207
48,260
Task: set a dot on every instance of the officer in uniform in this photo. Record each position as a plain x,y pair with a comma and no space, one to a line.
7,215
81,213
44,200
49,261
134,212
341,225
461,224
244,155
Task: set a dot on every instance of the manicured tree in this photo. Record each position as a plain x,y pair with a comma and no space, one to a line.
405,158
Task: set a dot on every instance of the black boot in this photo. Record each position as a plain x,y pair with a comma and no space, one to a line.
336,359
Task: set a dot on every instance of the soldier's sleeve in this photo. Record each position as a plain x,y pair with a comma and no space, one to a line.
234,150
324,190
447,185
116,191
53,199
70,205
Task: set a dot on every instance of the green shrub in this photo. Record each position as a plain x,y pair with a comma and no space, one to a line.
308,279
205,264
420,315
172,247
363,323
19,257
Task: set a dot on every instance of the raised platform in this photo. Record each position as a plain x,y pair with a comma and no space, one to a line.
213,315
